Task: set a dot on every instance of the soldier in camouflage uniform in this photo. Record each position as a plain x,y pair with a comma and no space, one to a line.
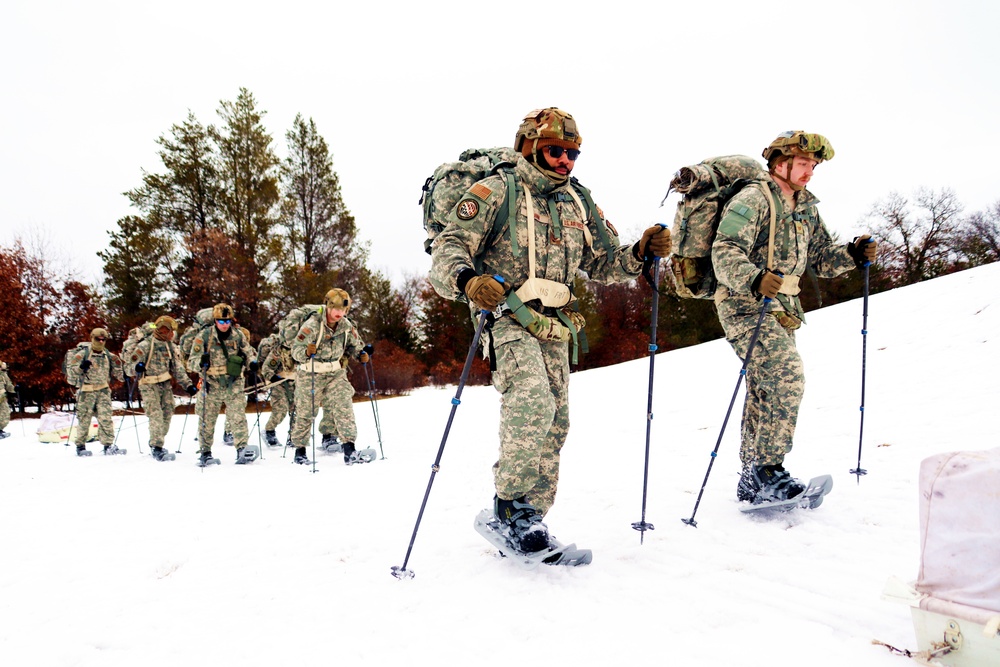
775,378
219,354
91,370
155,360
557,238
8,388
326,340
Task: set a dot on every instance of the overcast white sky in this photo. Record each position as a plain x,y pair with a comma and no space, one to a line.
906,92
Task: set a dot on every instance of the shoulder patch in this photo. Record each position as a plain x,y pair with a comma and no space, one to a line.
467,209
480,190
610,226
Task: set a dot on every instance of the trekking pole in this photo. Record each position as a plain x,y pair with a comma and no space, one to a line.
371,396
256,406
20,405
642,526
859,471
743,372
183,426
400,571
291,425
135,421
312,409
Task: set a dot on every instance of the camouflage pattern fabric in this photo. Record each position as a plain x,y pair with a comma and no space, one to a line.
222,394
98,404
334,393
8,387
105,366
158,403
532,376
165,357
282,398
775,378
223,390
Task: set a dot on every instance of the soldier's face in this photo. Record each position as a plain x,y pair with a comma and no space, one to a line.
223,325
562,165
334,315
800,170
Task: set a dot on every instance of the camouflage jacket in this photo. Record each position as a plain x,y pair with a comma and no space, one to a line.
801,240
341,341
5,382
219,350
165,359
465,243
104,367
277,358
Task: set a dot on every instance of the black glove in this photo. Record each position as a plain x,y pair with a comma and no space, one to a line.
862,250
205,361
85,365
253,367
192,390
368,349
140,368
274,378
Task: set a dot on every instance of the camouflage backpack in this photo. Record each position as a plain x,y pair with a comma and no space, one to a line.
288,327
706,188
451,180
135,336
202,321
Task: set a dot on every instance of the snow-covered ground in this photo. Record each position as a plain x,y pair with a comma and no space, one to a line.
127,561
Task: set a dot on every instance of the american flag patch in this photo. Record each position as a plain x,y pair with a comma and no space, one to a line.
480,191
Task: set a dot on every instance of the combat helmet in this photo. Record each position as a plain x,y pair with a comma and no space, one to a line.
338,298
797,142
548,126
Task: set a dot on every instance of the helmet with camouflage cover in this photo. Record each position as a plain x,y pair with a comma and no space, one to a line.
796,142
222,311
549,126
339,299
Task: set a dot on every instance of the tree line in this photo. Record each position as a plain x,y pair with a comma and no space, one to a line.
225,219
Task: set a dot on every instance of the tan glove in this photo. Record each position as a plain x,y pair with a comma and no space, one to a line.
862,250
311,350
485,292
363,357
767,284
655,242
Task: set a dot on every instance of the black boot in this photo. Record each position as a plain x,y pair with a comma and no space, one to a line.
300,456
350,454
3,434
81,450
205,458
331,444
767,483
228,439
271,438
527,533
158,453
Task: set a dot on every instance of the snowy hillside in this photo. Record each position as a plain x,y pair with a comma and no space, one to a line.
125,561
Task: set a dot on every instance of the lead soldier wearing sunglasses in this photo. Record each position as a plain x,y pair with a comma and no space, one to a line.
559,232
774,375
91,369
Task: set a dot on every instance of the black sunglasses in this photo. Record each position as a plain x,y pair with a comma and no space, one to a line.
99,338
555,152
223,321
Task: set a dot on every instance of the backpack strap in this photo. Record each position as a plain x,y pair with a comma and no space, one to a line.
507,211
591,211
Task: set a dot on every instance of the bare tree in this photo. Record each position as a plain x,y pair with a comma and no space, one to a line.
917,246
978,240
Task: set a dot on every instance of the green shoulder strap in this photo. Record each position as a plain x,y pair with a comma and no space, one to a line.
507,211
593,213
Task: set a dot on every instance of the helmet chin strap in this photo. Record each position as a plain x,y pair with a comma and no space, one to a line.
542,165
783,179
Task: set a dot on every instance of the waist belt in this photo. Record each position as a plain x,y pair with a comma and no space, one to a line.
790,286
154,379
320,366
216,371
286,375
93,387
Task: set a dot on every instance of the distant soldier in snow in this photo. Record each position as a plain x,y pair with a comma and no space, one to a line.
8,388
155,360
326,340
91,369
775,379
220,352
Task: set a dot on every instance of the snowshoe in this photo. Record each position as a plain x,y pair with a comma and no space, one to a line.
810,498
227,438
247,454
3,434
206,459
353,456
555,553
331,444
525,530
160,454
82,450
271,438
767,483
111,450
300,456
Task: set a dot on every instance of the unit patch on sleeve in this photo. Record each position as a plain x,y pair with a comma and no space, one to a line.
467,209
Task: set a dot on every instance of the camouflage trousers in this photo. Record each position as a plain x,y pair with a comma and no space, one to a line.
4,413
532,377
282,399
335,395
235,402
158,402
91,403
775,383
